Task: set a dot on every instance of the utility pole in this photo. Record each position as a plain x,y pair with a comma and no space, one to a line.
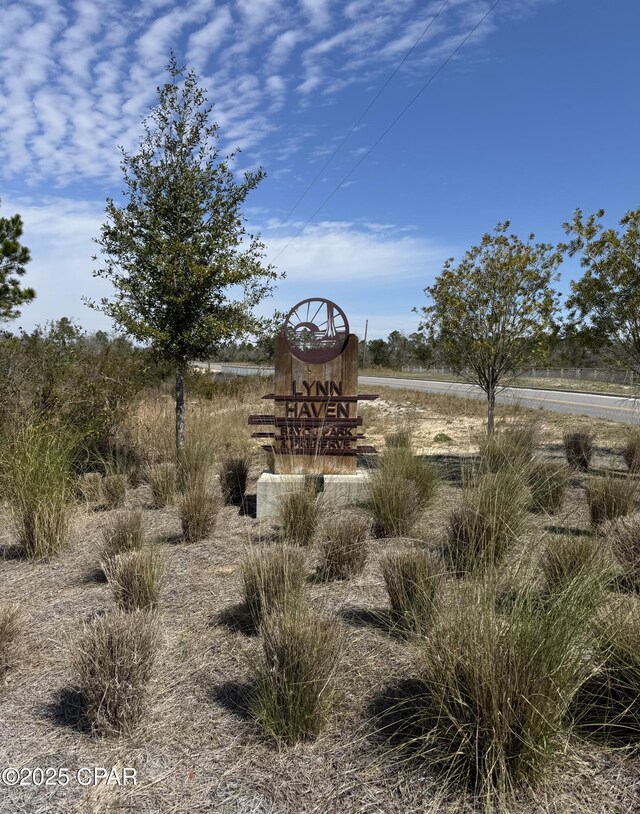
364,350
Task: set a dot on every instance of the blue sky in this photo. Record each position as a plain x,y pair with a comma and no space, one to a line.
536,114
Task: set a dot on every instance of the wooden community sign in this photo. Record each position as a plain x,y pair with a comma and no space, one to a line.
315,419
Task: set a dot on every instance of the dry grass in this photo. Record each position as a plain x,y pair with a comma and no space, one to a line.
578,447
343,547
631,452
624,534
136,578
299,515
199,508
114,488
90,488
11,627
412,579
610,497
272,578
113,662
196,748
163,482
233,480
548,482
295,678
569,558
124,532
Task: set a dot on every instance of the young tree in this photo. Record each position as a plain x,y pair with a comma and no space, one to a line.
608,293
491,312
13,260
186,273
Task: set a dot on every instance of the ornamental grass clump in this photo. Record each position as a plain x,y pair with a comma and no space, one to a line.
609,497
136,578
233,480
199,509
569,558
399,490
90,488
272,578
36,460
114,488
578,447
495,686
489,518
608,704
343,547
11,627
548,483
631,452
412,579
295,679
299,515
162,480
113,662
624,535
125,532
509,449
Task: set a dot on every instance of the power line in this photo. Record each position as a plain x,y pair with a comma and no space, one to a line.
390,126
360,118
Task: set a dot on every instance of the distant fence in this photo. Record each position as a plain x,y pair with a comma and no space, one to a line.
591,374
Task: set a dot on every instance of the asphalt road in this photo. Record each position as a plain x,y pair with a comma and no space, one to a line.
617,408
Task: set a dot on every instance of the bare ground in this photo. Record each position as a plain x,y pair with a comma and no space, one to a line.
197,750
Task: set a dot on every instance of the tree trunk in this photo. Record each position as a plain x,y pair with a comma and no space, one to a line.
180,421
491,407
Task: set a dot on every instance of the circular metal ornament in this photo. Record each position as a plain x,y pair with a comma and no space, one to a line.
316,330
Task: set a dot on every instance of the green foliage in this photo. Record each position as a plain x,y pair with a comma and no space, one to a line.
113,662
295,678
35,462
177,252
343,547
13,259
491,313
412,579
608,294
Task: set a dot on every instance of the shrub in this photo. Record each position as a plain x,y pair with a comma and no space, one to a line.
548,483
412,579
162,480
624,534
295,687
233,480
609,497
115,490
569,558
113,661
496,686
343,547
578,447
512,448
271,578
608,704
491,515
36,466
136,579
199,508
11,625
124,533
631,452
299,514
90,486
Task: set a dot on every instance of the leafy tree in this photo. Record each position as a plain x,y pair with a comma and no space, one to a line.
378,353
608,293
185,272
13,260
491,312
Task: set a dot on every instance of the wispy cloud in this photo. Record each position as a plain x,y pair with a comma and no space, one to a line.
77,76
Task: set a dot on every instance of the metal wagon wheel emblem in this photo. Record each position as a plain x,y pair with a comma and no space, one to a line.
316,330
